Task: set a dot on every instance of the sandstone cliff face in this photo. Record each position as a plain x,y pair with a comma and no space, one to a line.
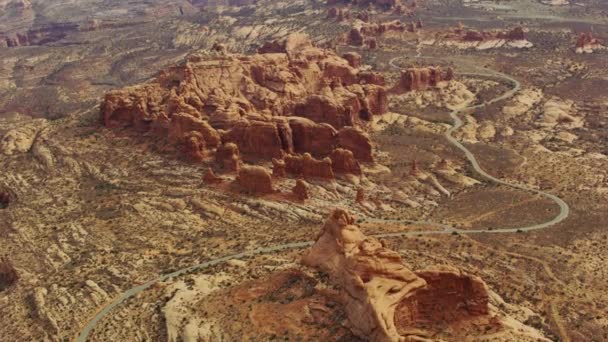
385,300
255,180
290,98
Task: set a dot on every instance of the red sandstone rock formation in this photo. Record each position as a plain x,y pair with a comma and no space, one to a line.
448,288
227,156
587,43
353,58
357,141
355,38
360,197
374,277
211,178
386,301
422,78
308,167
339,14
253,101
300,190
372,43
255,180
194,147
5,199
309,137
584,39
415,171
291,44
517,33
473,36
8,274
256,138
343,161
38,36
279,169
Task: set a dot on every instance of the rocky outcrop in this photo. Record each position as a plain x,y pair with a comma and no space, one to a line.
256,138
448,288
310,137
279,169
344,162
259,103
211,178
300,190
356,141
360,196
517,33
483,40
194,146
227,157
385,300
308,167
255,180
8,274
375,278
587,43
422,78
353,58
355,37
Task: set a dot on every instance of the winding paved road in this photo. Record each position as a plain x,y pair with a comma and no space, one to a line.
446,229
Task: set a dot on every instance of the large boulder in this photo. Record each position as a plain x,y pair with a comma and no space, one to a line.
255,180
344,162
307,166
227,156
356,141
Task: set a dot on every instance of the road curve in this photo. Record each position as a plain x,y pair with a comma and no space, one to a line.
446,229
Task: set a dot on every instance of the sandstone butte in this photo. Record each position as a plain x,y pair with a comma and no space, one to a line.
290,101
269,104
385,301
